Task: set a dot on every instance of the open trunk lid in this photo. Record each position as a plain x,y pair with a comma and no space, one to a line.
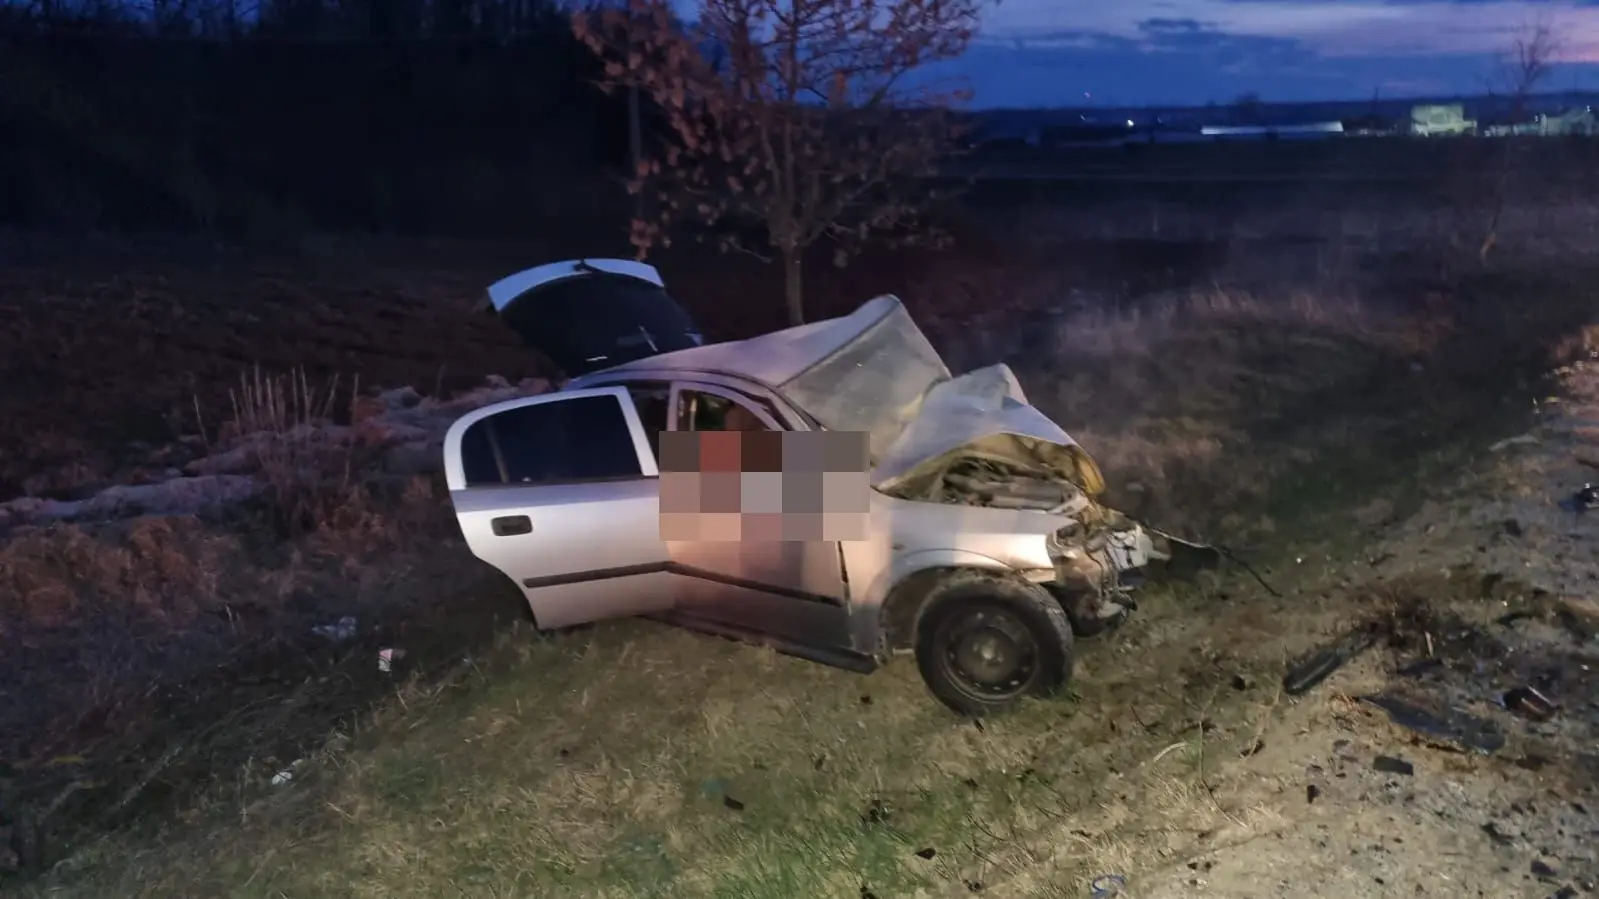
592,314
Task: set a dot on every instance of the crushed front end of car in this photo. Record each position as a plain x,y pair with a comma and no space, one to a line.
976,441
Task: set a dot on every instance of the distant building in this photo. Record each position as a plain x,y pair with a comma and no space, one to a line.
1440,120
1579,121
1523,125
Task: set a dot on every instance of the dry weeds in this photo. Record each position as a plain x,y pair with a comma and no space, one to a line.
630,760
165,568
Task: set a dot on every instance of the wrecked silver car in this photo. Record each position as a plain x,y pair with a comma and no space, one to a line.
985,548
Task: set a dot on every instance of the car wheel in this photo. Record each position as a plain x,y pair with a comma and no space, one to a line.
983,642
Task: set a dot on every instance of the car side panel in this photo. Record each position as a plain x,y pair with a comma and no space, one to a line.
594,550
791,590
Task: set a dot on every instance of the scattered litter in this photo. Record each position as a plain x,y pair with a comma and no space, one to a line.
287,774
1107,886
343,630
1452,725
1387,764
1543,871
732,803
1523,440
387,658
1582,501
1529,703
1322,663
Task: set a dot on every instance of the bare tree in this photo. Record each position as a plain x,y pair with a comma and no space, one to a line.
787,122
1524,68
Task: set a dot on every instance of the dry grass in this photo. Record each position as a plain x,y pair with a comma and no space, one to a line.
630,760
157,652
166,568
603,766
309,470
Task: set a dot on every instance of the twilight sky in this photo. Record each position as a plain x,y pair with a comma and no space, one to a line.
1125,52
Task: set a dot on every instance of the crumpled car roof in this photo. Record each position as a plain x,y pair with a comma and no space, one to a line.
779,357
864,372
874,371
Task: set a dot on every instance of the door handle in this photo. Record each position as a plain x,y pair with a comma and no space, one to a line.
511,525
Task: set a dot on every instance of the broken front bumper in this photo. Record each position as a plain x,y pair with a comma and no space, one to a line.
1096,573
1094,561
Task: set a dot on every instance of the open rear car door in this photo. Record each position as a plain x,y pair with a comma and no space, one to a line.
590,314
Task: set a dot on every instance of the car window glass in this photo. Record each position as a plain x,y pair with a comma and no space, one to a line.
573,439
477,457
709,412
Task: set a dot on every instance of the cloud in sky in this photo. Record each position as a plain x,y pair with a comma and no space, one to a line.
1329,28
1063,52
1059,52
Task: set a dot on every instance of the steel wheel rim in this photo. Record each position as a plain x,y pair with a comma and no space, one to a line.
988,653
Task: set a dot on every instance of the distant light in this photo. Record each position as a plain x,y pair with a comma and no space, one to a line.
1129,123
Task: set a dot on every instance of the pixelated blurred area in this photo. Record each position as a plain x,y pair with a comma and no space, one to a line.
763,485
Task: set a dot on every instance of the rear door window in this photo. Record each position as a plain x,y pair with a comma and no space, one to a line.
564,441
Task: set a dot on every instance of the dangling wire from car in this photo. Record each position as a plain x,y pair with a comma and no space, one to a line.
1225,553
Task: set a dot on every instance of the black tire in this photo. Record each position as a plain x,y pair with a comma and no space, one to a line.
970,612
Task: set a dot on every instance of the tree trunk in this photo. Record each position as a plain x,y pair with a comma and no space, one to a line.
793,286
